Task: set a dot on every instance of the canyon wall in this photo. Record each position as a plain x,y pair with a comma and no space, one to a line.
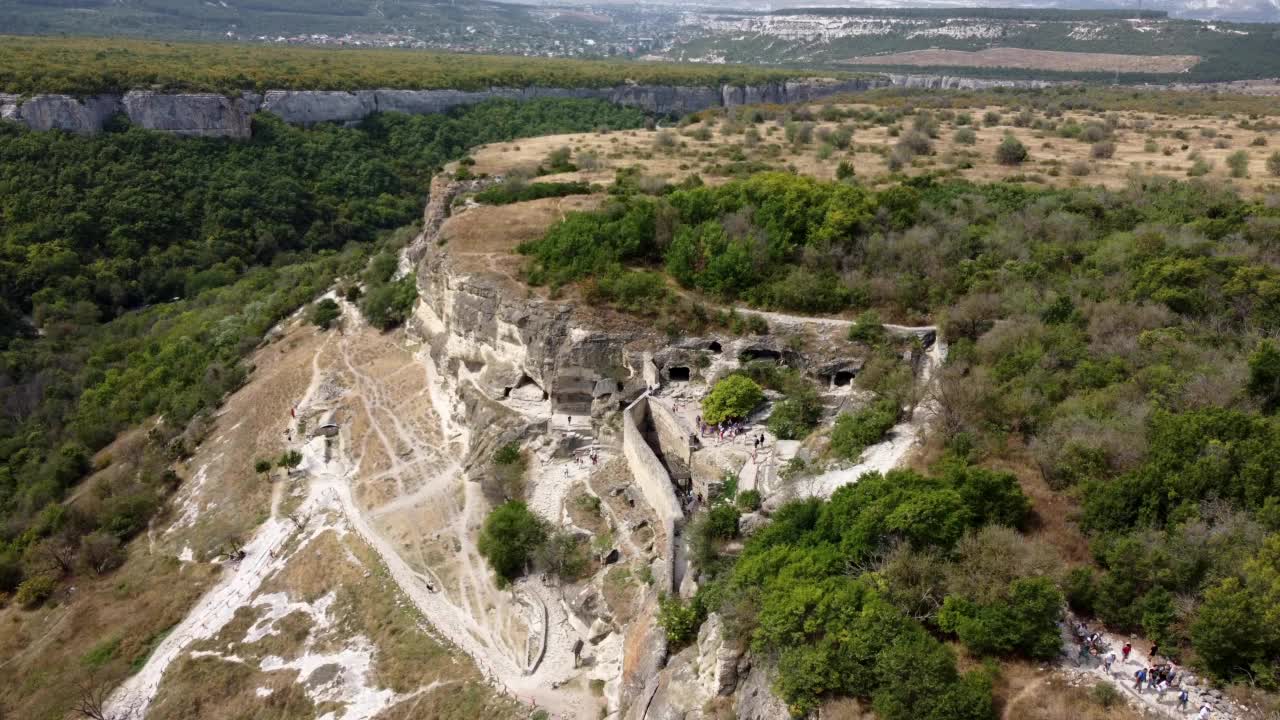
213,115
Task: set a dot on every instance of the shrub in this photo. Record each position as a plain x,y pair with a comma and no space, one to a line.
1106,695
382,267
262,466
733,398
795,416
991,118
387,305
35,590
722,522
324,312
966,136
1238,162
510,537
1199,168
1081,589
1079,168
1150,146
290,459
1102,150
514,192
1264,374
1273,164
101,552
868,329
1025,622
853,433
679,620
508,454
844,170
557,161
916,143
749,500
1011,151
1259,141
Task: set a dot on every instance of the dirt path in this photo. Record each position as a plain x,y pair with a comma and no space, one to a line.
504,631
1122,672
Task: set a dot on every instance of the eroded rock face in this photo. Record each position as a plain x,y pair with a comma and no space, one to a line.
213,115
314,106
948,82
195,114
63,112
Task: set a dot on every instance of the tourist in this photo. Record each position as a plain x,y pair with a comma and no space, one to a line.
1183,699
1111,658
1128,648
1139,678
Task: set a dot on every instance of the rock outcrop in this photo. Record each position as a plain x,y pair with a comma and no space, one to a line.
213,115
200,114
949,82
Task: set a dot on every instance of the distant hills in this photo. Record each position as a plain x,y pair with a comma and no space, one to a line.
1160,41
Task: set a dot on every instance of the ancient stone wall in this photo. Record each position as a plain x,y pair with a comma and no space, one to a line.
654,482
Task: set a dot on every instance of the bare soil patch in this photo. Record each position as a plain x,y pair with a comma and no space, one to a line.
1034,60
484,240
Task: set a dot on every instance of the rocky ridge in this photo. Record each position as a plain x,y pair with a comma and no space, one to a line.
214,115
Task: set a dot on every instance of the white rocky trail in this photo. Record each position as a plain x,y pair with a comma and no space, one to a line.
475,615
1122,678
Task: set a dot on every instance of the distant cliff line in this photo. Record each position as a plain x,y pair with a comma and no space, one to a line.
215,115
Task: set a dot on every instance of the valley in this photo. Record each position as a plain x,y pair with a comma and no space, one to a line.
755,397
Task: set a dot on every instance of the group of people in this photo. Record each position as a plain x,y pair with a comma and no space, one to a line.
593,456
726,430
1159,676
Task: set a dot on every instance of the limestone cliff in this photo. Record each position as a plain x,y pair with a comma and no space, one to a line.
213,115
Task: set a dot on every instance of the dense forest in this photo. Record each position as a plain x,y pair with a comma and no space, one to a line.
141,268
1117,344
88,65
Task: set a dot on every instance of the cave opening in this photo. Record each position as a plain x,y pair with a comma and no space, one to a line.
843,378
678,374
714,346
752,354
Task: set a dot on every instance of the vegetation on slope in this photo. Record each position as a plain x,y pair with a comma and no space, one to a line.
1113,339
804,591
143,267
90,65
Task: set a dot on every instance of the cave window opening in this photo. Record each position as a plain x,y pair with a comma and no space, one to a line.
679,374
714,346
760,354
843,378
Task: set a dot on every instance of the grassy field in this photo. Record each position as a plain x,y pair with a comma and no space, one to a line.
1110,148
93,65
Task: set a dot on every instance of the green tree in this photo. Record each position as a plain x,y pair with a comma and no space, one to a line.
1025,621
510,537
1264,374
732,398
1228,630
324,312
